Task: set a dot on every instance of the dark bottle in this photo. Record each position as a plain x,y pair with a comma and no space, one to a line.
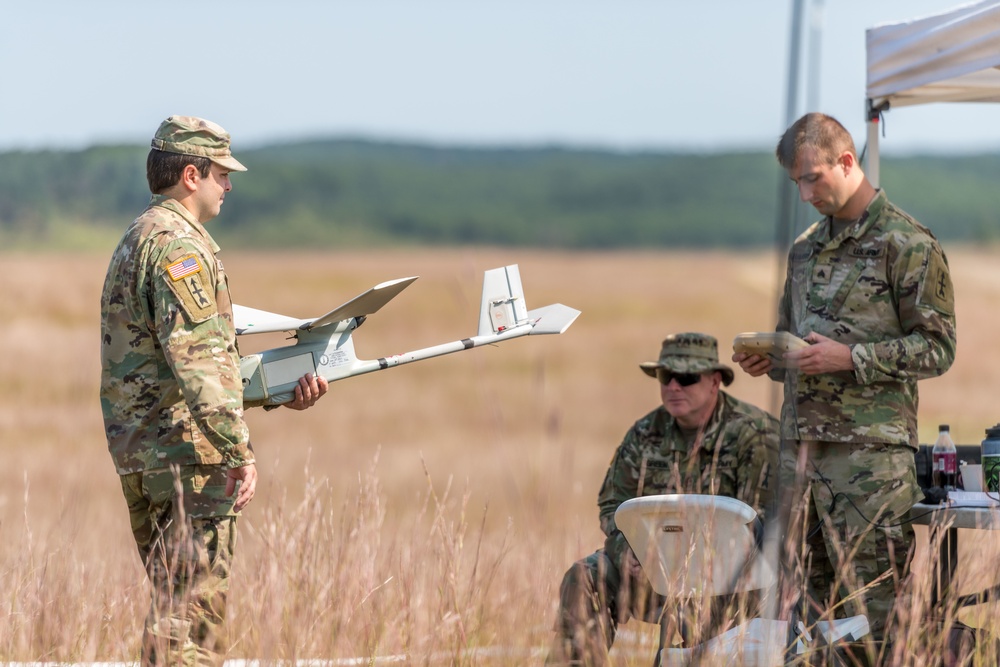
944,459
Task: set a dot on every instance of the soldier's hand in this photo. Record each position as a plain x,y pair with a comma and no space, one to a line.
247,476
310,389
824,355
631,565
752,364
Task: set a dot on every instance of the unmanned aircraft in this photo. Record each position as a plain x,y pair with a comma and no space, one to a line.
323,345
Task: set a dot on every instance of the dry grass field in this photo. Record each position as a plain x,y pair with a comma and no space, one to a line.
428,510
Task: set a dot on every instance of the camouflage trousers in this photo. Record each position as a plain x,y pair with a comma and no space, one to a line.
594,598
847,503
185,531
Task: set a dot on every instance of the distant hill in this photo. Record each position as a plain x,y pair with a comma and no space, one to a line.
355,193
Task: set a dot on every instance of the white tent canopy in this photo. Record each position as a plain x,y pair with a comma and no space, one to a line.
950,57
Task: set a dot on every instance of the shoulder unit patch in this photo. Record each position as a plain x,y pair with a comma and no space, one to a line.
192,287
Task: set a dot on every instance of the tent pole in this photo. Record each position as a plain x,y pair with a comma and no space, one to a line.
874,114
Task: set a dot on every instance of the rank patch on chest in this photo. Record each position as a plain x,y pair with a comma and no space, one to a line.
822,273
183,267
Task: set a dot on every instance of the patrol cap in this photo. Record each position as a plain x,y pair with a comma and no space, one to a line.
189,135
689,353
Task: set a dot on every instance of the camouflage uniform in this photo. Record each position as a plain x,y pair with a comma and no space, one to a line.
883,287
732,455
171,395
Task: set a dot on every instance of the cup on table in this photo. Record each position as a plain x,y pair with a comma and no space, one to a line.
972,477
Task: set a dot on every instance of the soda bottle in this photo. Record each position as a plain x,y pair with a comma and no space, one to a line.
944,459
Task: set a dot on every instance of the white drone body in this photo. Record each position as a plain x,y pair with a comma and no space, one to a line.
324,347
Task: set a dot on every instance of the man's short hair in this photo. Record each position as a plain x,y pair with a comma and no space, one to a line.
163,169
815,130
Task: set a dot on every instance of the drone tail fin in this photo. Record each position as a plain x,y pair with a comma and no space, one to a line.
503,306
553,319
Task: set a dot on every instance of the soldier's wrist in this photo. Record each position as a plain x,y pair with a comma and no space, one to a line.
239,461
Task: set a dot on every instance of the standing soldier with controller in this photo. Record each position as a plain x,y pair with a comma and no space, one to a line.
869,288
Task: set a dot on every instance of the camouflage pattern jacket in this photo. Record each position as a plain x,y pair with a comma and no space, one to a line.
171,391
882,287
733,456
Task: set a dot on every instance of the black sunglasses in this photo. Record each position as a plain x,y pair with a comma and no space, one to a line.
683,379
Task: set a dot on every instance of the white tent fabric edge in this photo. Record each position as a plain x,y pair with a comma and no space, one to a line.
949,57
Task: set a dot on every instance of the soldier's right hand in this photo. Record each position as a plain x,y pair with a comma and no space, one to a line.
752,364
247,476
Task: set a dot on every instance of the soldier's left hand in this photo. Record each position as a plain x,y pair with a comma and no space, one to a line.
630,565
753,364
824,355
311,388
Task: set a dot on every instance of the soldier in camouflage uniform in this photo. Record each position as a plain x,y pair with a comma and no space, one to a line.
172,396
869,287
700,440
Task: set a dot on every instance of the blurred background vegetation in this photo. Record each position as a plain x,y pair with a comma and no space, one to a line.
354,193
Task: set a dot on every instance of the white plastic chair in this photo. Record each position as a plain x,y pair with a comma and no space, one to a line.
692,545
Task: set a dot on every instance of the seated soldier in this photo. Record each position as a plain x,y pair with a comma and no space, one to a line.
700,440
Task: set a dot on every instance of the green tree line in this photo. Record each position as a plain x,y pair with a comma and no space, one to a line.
341,192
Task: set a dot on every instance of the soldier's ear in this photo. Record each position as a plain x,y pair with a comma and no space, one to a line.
716,380
847,161
190,177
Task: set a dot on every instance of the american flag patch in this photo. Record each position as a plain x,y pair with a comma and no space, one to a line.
184,267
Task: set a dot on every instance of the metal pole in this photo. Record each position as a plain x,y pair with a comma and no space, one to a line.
872,164
777,521
786,192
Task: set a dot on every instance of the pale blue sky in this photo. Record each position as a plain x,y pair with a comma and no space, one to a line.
629,74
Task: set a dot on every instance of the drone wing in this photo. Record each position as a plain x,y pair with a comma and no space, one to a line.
251,320
363,304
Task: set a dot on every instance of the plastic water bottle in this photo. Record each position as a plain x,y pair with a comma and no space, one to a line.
991,459
944,459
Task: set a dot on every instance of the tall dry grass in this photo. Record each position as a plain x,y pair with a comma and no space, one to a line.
427,511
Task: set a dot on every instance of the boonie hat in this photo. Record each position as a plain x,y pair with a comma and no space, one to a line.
189,135
689,353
